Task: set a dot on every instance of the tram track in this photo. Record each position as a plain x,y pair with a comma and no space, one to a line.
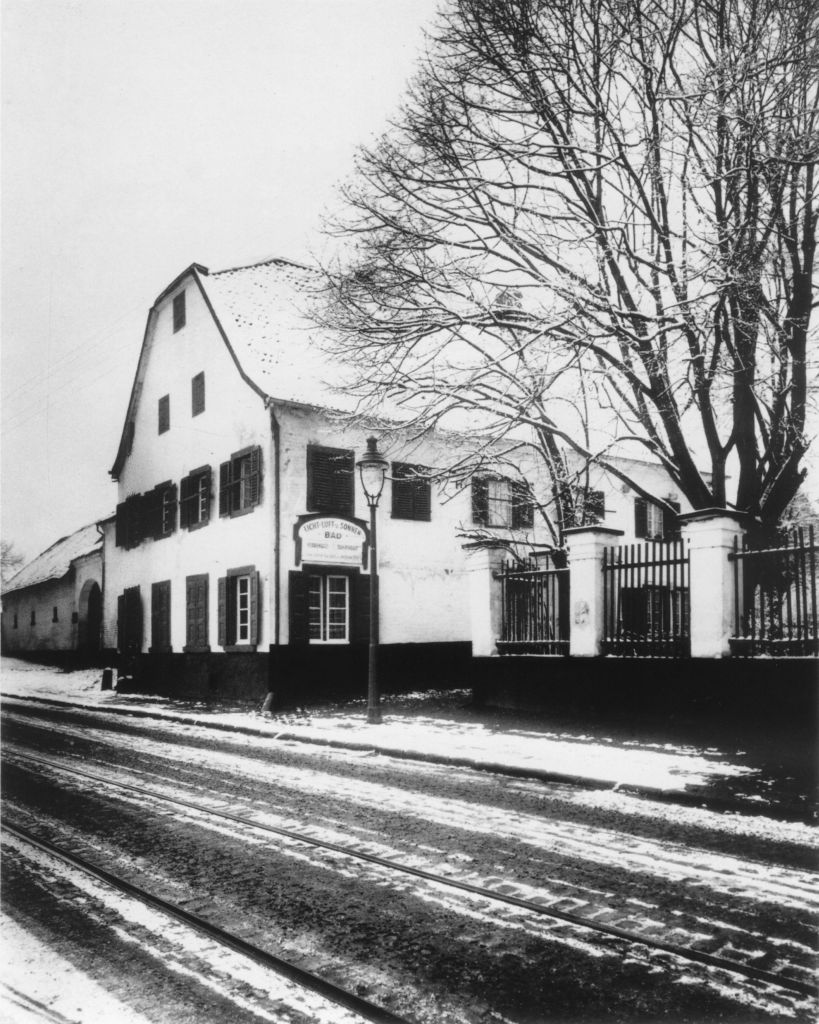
364,1009
537,906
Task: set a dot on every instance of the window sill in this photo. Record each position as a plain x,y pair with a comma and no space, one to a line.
239,648
196,526
239,512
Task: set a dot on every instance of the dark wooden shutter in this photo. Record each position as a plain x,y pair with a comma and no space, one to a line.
121,532
161,616
360,609
186,490
133,620
196,612
255,603
480,501
670,524
253,492
423,499
640,518
225,480
402,503
298,591
522,512
223,611
330,480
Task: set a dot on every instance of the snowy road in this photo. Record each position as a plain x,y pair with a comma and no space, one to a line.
741,886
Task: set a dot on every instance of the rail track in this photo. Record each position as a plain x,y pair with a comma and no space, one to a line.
364,1009
780,978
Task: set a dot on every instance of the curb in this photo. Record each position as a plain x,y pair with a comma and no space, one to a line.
666,796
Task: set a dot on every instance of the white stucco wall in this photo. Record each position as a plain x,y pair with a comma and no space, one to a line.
234,418
62,594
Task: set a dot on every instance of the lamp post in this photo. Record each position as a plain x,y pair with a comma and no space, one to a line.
372,469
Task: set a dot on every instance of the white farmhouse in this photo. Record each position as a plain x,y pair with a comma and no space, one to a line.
237,561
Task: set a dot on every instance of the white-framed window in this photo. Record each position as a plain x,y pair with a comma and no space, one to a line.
654,521
242,609
328,609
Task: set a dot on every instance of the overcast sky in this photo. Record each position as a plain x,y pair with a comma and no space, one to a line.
140,136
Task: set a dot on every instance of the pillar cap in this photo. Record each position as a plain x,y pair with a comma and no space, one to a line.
574,531
704,514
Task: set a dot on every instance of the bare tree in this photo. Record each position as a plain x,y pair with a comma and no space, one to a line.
593,229
10,560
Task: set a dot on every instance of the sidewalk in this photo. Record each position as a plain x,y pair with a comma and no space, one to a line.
757,775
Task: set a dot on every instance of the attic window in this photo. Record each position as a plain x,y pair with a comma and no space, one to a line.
198,394
178,312
164,414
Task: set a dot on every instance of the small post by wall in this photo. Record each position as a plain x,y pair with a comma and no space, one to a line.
710,535
485,601
586,622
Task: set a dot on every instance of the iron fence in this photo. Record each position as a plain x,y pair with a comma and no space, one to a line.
646,610
775,597
535,605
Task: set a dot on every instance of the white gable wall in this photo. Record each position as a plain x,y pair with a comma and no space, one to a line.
234,418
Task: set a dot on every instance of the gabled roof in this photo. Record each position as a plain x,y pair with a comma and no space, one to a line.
56,561
259,310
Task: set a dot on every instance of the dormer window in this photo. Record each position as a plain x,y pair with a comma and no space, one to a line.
178,312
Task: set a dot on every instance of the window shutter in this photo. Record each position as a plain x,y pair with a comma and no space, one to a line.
168,502
522,512
255,601
254,481
161,616
330,480
297,606
402,503
670,527
164,414
185,492
120,528
222,599
480,500
423,499
133,620
640,518
196,612
360,601
224,489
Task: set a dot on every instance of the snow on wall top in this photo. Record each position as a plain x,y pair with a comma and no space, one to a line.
55,561
261,309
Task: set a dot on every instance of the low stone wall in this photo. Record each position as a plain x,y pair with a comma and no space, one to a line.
765,689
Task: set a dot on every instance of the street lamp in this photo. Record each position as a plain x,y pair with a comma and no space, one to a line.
372,469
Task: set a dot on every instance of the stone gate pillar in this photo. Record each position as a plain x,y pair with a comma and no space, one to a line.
483,565
710,535
585,545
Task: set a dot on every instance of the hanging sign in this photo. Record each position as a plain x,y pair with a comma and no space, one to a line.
331,540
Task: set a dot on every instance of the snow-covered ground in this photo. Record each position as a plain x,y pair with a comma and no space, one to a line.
584,753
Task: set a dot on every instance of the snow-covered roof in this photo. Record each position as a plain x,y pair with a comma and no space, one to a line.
55,561
262,310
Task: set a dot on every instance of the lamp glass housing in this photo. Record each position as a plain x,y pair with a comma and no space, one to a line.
372,469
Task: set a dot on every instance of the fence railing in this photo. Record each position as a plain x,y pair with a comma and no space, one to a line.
535,609
775,597
646,609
